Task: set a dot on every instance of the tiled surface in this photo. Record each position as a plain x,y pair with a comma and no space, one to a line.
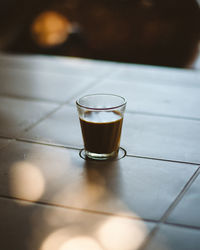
162,137
142,135
130,186
65,65
187,212
157,75
62,127
17,115
175,238
30,226
150,97
76,201
48,86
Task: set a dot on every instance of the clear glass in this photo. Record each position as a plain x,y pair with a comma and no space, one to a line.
101,118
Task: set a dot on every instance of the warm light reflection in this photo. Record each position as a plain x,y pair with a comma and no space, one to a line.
63,239
85,195
120,233
115,233
88,193
55,240
50,29
26,181
55,218
81,243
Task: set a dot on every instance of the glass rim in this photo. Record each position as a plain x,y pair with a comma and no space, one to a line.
109,108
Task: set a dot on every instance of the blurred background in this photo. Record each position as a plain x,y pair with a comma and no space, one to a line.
156,32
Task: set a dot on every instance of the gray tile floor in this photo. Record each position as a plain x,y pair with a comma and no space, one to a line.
147,200
187,211
16,115
173,237
130,186
42,85
149,97
65,228
151,134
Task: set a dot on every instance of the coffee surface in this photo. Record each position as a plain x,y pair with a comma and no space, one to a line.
101,131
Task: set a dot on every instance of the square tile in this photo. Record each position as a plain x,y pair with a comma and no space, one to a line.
16,115
63,127
187,211
49,86
131,187
162,137
175,238
30,226
59,64
157,75
153,98
142,135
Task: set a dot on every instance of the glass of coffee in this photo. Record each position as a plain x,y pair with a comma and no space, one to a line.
101,117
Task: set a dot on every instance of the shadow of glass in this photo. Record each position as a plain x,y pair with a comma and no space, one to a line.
104,173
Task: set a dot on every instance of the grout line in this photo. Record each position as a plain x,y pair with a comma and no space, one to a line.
93,83
26,98
20,66
149,237
164,115
7,137
161,159
40,142
161,115
79,148
155,230
34,99
180,195
42,118
49,204
171,207
181,225
48,144
43,100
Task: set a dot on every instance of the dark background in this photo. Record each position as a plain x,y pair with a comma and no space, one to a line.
158,32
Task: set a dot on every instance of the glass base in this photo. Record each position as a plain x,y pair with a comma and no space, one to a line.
102,157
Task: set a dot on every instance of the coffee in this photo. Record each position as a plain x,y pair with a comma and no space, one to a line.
101,131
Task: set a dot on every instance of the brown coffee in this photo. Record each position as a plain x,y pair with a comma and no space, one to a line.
101,131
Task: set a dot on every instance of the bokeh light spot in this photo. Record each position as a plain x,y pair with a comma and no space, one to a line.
26,181
120,233
81,243
50,29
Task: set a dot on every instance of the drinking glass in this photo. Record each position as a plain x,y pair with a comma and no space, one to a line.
101,118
